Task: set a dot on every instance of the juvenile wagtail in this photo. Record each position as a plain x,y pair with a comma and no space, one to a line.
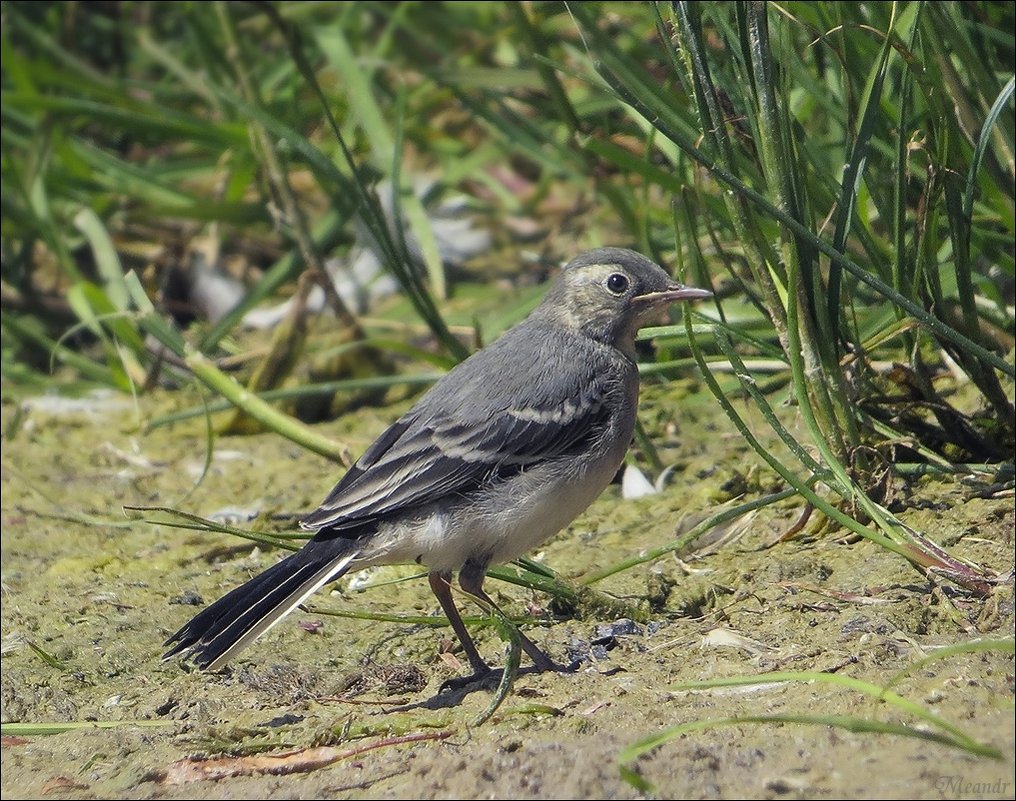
503,452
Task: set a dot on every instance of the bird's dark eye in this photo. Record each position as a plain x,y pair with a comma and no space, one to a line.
618,283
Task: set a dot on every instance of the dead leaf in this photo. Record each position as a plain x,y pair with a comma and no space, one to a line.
301,760
721,637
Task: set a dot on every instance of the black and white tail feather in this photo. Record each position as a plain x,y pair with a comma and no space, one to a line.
234,621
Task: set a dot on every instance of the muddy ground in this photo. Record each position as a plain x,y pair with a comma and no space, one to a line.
96,594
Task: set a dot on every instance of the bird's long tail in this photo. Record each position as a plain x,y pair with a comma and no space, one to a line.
216,634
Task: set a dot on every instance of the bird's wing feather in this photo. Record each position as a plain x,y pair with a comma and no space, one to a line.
447,446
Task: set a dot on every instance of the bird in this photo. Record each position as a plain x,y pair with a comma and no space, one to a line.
503,452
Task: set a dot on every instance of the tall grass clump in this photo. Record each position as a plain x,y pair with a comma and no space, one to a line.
855,164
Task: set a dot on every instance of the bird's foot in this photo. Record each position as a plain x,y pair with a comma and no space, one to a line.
483,674
479,677
548,665
543,663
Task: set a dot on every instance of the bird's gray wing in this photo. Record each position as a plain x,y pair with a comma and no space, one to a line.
436,451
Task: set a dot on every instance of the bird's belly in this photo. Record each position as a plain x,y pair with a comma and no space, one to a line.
502,523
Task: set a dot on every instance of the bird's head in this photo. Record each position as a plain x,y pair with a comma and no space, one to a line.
609,293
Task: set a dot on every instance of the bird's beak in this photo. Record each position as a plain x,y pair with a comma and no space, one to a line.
672,294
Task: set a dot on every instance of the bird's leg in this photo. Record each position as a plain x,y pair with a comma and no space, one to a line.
471,580
440,583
